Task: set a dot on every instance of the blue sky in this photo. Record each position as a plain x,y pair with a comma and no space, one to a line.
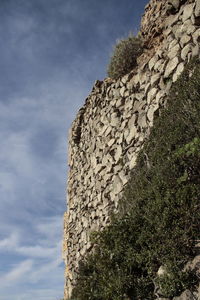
51,52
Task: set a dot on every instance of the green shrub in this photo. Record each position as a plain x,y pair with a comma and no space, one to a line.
175,282
159,217
124,57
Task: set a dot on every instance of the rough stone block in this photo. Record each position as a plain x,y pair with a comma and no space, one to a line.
197,8
171,66
187,12
185,51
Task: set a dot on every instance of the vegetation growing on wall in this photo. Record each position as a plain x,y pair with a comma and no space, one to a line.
124,56
159,218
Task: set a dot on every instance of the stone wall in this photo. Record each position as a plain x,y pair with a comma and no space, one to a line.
111,127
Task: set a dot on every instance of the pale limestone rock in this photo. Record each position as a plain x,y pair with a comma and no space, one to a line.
131,122
141,138
88,245
178,31
117,84
197,8
108,131
151,111
187,12
185,51
130,85
132,162
155,79
178,72
117,168
118,153
125,78
142,77
160,95
168,31
84,222
117,185
170,38
128,104
126,133
171,66
122,91
174,51
93,162
196,36
175,3
142,120
190,28
159,53
116,93
123,177
104,119
127,93
172,44
114,120
132,134
104,161
142,105
83,233
110,158
118,103
147,87
186,28
136,79
168,85
111,142
102,130
98,168
151,95
139,96
169,21
195,50
185,40
123,125
159,63
152,62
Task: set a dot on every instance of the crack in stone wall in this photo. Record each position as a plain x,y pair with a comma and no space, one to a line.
110,129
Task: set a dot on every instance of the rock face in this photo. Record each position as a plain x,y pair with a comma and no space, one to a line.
112,126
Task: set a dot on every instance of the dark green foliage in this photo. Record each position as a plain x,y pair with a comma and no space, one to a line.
159,218
124,57
176,281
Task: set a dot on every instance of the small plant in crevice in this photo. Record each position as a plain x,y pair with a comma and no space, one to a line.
158,222
124,57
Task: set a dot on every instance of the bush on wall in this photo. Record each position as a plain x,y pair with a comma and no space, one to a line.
124,57
159,218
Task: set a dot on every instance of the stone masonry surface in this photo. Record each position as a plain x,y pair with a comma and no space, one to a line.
111,127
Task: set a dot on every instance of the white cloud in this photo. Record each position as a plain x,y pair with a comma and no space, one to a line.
12,245
9,242
51,227
16,273
43,263
36,251
47,241
54,293
46,269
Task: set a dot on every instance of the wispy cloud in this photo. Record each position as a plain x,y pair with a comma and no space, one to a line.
51,54
16,273
38,263
9,242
